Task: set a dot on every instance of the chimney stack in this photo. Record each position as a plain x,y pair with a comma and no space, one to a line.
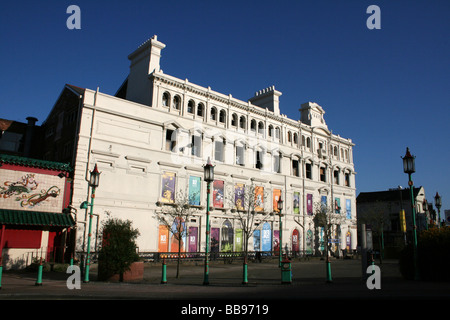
144,61
267,98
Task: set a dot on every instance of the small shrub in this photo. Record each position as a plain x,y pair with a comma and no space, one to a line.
118,249
433,251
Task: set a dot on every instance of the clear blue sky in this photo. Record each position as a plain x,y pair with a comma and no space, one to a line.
385,89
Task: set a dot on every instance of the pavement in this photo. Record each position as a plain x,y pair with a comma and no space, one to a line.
264,285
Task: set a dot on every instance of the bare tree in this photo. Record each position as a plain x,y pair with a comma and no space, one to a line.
174,217
248,203
326,218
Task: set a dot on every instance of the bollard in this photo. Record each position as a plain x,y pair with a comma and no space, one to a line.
39,278
164,273
245,273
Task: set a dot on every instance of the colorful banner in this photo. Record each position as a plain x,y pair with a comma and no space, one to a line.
178,232
256,240
348,205
296,204
21,190
194,190
168,187
218,193
276,241
266,238
214,245
226,244
337,205
239,241
348,241
163,239
295,241
259,199
193,239
309,242
323,201
239,196
276,198
309,204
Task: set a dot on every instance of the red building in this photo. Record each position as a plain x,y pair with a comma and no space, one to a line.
34,221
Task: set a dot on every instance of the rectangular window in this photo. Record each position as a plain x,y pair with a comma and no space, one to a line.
295,170
196,146
218,152
336,177
240,156
347,180
323,175
259,162
276,163
308,171
171,140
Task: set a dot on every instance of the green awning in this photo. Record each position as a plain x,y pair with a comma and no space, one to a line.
37,163
35,218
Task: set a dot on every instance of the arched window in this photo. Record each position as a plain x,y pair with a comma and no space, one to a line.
270,130
222,116
253,125
308,143
177,102
191,106
200,110
277,133
289,136
165,99
261,127
242,122
234,120
213,114
295,138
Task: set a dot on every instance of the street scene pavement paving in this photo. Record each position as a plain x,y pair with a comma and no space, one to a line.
264,285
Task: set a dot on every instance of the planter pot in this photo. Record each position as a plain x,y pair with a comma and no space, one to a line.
136,273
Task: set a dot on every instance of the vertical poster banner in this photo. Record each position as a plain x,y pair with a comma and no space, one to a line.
259,199
193,239
218,193
194,190
168,187
348,205
266,239
276,198
309,204
239,192
214,239
227,237
238,240
295,241
257,240
337,205
163,239
309,242
323,202
296,204
276,241
348,241
178,238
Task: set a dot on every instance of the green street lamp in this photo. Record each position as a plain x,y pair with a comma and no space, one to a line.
208,177
438,204
280,208
93,183
409,168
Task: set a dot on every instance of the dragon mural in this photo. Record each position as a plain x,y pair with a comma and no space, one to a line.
25,191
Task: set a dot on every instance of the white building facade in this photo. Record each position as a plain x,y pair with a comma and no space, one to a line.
153,138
